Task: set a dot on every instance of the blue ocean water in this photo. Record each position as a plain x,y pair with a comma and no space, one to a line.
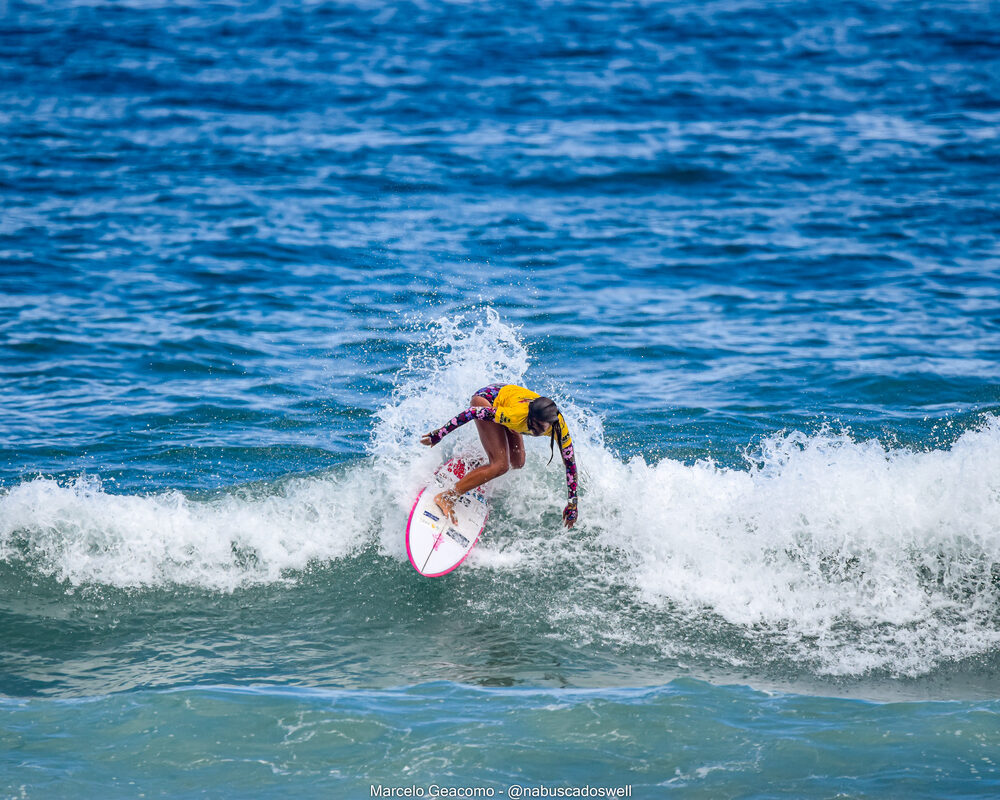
251,251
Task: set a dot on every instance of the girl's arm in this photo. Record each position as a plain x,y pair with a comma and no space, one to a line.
569,460
475,412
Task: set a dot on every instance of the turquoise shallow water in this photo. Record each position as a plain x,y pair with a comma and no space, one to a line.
249,253
687,737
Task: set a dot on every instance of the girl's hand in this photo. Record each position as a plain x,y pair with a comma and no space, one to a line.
569,515
426,439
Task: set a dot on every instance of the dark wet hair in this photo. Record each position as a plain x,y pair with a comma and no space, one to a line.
540,411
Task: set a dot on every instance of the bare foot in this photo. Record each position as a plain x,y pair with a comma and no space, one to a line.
446,502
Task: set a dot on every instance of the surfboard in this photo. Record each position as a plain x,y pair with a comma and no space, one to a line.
434,544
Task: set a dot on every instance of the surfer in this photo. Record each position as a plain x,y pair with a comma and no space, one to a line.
502,414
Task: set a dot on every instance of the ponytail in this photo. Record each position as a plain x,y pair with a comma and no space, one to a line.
555,434
543,410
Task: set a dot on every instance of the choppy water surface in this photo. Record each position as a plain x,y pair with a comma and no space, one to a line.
250,252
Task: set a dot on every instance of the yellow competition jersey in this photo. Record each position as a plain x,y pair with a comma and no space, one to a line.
511,408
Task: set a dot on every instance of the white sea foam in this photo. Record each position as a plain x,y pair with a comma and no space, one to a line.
858,556
847,555
82,534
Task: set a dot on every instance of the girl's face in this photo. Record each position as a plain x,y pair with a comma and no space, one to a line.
540,428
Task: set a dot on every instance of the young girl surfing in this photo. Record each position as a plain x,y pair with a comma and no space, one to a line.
502,414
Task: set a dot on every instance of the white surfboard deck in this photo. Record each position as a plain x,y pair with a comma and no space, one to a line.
434,543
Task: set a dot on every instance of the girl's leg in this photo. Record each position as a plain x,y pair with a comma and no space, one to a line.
495,442
515,446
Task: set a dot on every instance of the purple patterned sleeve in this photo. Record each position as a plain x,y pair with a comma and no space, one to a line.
569,459
476,412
